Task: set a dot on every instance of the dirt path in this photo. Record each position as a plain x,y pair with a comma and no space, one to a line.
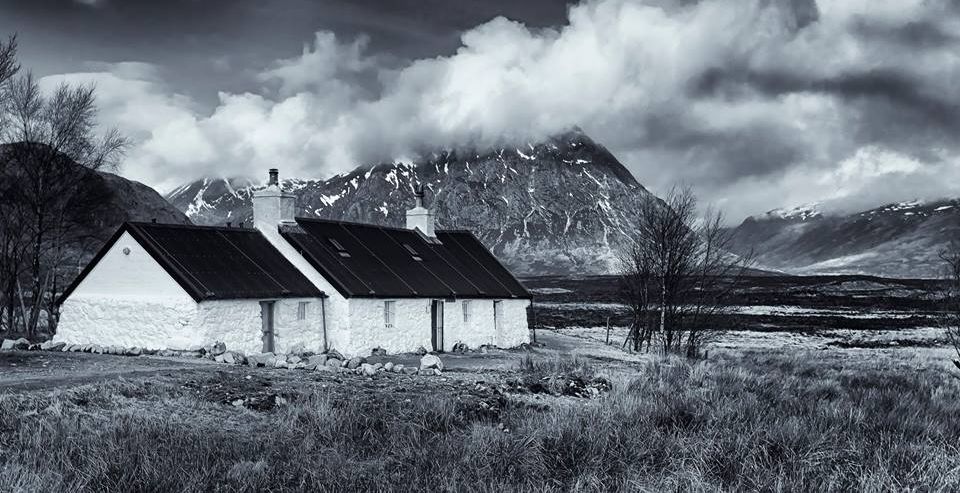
40,370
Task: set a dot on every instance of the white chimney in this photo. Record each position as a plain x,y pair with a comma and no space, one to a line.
420,217
272,207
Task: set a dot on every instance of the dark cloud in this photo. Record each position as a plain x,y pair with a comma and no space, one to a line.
756,103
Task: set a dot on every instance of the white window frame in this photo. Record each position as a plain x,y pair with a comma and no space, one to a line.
302,310
389,313
466,312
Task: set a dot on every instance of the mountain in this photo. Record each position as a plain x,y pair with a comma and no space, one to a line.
556,207
895,240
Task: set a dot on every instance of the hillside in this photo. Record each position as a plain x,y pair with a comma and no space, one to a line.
556,207
895,240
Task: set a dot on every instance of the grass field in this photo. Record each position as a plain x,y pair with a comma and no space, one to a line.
808,420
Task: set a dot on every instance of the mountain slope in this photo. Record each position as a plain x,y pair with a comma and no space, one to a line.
896,240
560,206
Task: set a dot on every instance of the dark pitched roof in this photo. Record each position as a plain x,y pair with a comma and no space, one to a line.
214,263
365,260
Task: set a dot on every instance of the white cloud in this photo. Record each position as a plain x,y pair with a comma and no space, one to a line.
751,101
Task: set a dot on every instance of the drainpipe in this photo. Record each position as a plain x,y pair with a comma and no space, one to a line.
323,321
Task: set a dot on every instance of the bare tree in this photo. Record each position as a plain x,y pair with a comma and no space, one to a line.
49,149
678,273
951,296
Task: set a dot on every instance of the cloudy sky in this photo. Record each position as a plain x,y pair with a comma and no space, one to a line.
755,103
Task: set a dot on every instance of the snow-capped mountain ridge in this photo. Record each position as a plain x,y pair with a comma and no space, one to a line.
902,239
555,207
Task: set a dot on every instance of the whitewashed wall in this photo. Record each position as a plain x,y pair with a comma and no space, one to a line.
412,328
337,308
367,328
238,324
128,300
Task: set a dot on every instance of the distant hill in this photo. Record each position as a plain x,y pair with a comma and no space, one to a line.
896,240
561,206
104,203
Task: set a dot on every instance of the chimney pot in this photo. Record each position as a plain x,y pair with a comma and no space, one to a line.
274,177
153,220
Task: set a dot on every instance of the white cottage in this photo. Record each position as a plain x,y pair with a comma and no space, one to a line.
291,282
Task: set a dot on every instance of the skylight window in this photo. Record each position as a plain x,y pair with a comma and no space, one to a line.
416,256
339,247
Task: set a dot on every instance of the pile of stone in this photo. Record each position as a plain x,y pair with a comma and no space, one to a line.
329,362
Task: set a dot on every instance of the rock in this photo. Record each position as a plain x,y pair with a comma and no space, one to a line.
233,358
97,349
388,366
333,353
333,363
368,369
262,359
460,348
426,372
21,343
219,358
8,344
34,347
430,361
293,359
421,351
408,370
300,366
378,351
75,348
344,364
134,351
398,368
355,362
280,363
218,348
52,346
325,369
317,360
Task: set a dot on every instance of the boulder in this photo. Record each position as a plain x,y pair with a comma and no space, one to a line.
355,362
333,363
325,369
430,361
388,366
377,366
262,359
368,369
398,368
133,351
52,346
8,344
421,351
408,370
232,358
219,358
218,348
317,360
280,363
333,353
21,343
294,359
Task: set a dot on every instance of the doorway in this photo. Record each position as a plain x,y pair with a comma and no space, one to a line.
267,317
436,324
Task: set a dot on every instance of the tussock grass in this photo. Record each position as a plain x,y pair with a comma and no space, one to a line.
758,423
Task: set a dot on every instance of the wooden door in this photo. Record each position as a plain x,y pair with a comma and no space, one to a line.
267,317
436,324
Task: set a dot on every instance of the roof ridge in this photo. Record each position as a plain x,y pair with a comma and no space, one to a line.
192,226
350,223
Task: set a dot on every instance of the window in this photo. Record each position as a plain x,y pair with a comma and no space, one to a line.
466,312
302,310
339,247
389,313
416,256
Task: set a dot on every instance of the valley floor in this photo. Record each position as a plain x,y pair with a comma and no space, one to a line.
751,417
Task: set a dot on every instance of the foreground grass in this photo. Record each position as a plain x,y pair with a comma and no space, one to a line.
758,423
